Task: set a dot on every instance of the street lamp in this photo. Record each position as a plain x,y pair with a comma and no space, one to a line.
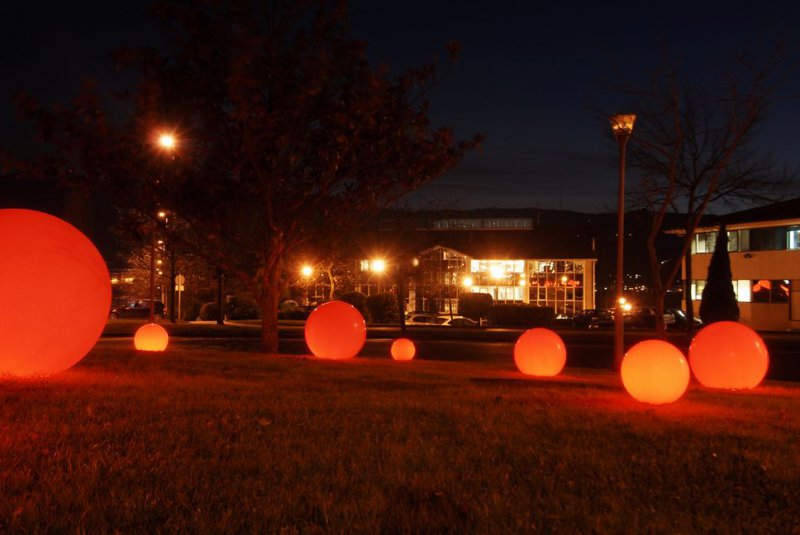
167,141
378,266
306,272
622,127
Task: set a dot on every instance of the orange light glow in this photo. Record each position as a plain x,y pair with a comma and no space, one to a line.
335,330
540,352
655,372
728,355
151,337
167,141
378,265
306,271
403,349
56,293
467,281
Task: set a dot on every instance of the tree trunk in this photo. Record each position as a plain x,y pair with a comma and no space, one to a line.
661,328
688,292
270,298
220,304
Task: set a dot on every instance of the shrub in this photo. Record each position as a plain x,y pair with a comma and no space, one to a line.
242,308
382,308
208,311
357,299
475,305
520,316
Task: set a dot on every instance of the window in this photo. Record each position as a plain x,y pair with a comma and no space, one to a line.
697,289
704,242
768,239
742,291
793,237
771,291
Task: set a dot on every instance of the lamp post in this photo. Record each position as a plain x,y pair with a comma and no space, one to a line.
306,272
622,127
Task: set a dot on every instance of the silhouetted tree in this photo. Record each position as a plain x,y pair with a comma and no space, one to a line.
719,299
285,131
695,147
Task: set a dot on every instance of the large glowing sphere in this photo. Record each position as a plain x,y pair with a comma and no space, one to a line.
403,349
728,355
655,372
55,291
335,330
540,352
151,337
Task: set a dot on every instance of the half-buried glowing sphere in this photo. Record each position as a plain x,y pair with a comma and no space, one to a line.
540,352
655,372
151,337
403,349
56,293
335,330
728,355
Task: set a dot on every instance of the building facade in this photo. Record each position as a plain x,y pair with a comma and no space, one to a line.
764,248
513,259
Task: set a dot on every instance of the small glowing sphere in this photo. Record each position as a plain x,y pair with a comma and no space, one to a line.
728,355
540,352
151,337
655,372
56,293
335,330
403,349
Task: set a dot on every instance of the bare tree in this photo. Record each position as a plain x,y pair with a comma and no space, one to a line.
695,148
286,132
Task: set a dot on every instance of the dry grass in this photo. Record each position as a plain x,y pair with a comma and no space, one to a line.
207,440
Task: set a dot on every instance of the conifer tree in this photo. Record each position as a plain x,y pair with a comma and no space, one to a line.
719,300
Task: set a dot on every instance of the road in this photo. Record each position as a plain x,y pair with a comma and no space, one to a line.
585,349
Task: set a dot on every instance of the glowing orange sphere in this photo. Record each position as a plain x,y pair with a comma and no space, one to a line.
56,293
729,355
151,337
335,330
540,352
655,372
403,349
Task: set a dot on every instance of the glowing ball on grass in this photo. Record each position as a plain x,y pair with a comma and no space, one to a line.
335,330
151,337
655,372
728,355
540,352
403,349
56,293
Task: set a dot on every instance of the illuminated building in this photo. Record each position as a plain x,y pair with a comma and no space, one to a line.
764,247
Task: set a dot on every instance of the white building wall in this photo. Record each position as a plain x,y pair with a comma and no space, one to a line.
755,265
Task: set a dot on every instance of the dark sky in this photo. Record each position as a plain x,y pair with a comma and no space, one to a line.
531,78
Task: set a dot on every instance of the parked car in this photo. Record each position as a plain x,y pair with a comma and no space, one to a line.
679,319
585,318
457,321
418,318
138,308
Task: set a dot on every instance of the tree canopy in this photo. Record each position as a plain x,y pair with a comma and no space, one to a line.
285,132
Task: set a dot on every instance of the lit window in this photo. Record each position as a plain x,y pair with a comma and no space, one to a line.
793,238
742,290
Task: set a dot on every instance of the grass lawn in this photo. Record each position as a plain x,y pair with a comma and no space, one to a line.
209,439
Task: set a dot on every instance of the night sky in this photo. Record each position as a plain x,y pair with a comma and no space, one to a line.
532,77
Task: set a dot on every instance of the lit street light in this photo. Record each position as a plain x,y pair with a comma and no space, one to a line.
622,127
167,141
378,267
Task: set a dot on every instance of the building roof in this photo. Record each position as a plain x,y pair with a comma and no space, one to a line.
778,211
771,215
550,243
